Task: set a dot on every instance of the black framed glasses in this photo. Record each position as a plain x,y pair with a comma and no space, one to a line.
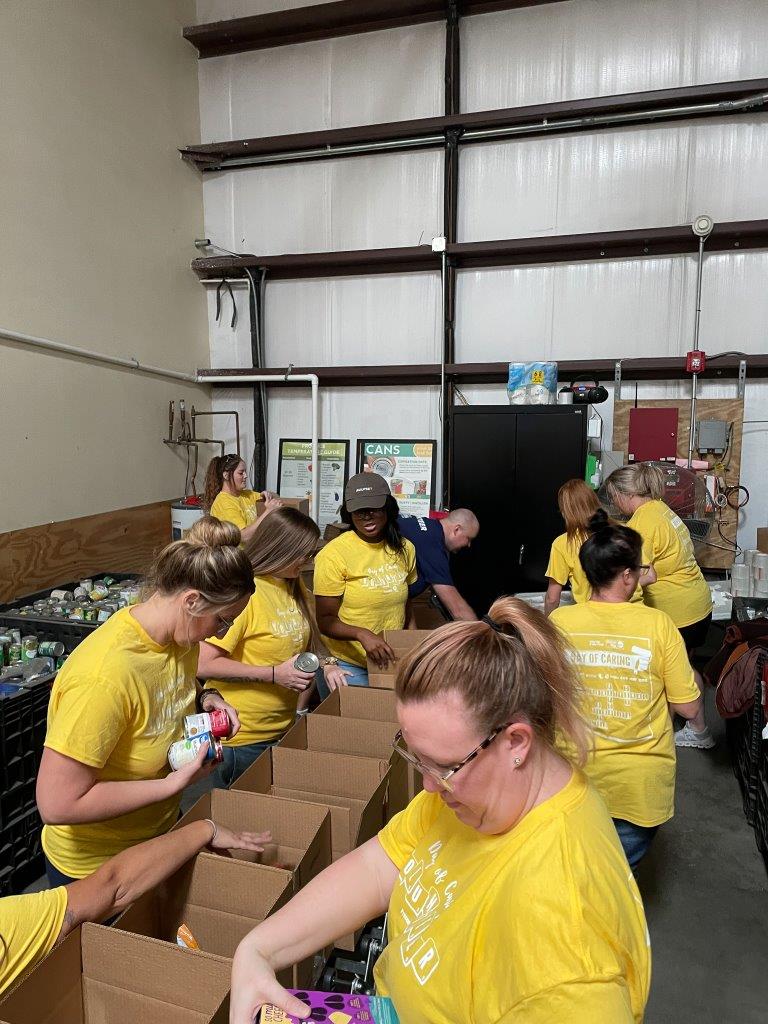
443,777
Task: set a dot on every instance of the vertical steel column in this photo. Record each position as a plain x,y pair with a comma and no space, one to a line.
450,223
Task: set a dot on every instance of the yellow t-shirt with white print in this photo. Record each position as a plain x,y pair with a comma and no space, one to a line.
540,925
239,509
372,582
633,664
117,705
681,590
30,926
564,566
269,631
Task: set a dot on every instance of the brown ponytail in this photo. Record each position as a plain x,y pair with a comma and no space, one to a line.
519,671
209,559
214,477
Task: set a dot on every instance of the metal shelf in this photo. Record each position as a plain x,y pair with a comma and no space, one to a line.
657,106
593,246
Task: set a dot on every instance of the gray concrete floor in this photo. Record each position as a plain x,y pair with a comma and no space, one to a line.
705,890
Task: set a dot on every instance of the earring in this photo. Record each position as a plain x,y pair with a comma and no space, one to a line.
517,761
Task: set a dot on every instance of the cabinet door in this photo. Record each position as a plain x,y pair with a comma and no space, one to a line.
550,450
483,452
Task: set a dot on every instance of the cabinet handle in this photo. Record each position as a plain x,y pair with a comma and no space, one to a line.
522,552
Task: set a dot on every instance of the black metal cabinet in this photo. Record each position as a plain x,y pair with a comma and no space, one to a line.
507,464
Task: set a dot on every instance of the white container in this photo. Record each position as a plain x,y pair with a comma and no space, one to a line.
184,517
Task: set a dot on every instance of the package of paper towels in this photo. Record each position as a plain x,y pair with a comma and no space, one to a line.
532,384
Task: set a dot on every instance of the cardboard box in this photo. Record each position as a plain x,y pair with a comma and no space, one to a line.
334,530
762,539
218,899
425,615
402,641
302,504
359,737
301,832
99,976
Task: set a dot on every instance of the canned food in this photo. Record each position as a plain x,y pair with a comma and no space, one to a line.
215,722
29,648
103,614
50,649
60,661
108,581
307,662
98,592
14,653
77,614
15,635
87,585
184,752
61,595
90,614
80,593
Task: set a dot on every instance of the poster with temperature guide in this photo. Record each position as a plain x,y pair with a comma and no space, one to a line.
294,474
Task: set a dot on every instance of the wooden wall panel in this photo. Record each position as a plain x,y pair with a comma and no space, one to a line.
732,411
121,541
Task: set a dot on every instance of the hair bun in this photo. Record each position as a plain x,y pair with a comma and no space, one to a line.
598,521
210,532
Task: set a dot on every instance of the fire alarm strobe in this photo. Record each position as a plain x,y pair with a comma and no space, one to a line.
696,361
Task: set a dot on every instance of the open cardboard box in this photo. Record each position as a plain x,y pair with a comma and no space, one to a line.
301,832
354,736
100,976
302,504
220,900
361,702
354,789
762,539
402,641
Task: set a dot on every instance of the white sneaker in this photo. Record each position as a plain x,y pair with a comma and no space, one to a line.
687,737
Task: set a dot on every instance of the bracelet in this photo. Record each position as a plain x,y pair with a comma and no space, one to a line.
215,831
273,675
202,695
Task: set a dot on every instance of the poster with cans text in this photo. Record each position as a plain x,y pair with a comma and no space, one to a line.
407,466
294,474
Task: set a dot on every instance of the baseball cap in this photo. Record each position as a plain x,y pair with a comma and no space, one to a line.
365,490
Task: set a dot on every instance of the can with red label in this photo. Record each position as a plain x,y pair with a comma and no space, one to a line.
184,752
215,722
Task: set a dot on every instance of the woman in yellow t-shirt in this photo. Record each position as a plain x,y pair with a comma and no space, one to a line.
577,503
33,924
634,669
253,663
508,893
227,498
119,702
361,580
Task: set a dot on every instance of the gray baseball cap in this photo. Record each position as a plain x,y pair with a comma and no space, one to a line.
365,490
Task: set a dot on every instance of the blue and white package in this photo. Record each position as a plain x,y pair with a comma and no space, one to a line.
532,383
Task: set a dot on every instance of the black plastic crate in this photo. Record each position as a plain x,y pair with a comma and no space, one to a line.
745,609
746,746
761,805
21,853
63,631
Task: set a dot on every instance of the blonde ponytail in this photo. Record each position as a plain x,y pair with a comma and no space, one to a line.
516,667
640,479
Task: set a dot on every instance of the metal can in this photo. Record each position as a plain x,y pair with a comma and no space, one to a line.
29,646
90,614
103,615
215,722
14,653
50,649
307,662
60,661
184,752
5,642
98,592
15,635
87,585
61,595
108,581
79,594
77,614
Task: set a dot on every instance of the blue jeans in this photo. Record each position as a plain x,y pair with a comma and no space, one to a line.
56,877
358,677
635,839
236,760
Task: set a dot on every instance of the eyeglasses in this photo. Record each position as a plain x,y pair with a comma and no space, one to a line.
442,778
225,626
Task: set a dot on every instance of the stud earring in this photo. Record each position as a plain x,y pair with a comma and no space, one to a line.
517,761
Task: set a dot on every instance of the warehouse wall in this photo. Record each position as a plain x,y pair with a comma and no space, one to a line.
98,215
620,178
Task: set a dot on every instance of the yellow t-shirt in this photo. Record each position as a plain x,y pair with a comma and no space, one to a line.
541,925
117,705
29,929
681,591
633,664
239,509
269,631
564,565
372,582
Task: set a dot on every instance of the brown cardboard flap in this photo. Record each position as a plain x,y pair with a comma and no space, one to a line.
373,817
218,882
360,702
53,991
302,504
402,641
257,778
105,1005
351,736
313,771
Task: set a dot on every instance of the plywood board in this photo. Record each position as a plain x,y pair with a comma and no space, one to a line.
121,541
731,410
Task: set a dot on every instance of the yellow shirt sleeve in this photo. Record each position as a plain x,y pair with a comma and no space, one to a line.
29,927
400,837
227,508
581,1001
679,681
89,721
330,578
558,568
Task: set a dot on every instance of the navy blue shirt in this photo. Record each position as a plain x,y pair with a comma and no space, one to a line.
432,559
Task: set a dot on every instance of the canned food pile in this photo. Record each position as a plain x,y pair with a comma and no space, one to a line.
91,601
16,649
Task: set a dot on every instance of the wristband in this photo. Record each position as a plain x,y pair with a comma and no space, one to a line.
273,675
202,695
215,831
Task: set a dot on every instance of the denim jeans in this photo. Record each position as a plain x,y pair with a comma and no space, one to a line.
56,877
635,839
236,760
358,677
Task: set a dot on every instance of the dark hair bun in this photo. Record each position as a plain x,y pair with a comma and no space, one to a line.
599,521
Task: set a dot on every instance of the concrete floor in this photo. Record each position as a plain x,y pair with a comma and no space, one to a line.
705,889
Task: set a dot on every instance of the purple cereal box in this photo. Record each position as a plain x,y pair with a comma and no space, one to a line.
335,1008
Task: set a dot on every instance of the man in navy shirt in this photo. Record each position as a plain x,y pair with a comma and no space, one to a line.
435,540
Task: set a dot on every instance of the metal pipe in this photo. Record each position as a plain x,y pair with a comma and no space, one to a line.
218,412
286,378
96,357
695,381
327,152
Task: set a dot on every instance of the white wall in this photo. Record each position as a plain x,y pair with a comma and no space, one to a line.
620,178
